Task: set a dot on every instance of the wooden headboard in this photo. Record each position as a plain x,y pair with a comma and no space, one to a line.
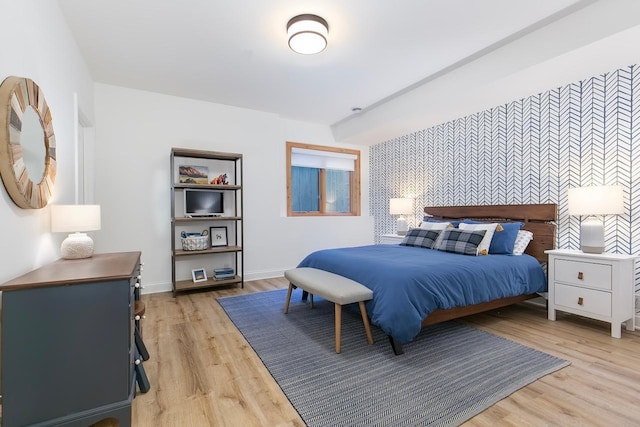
539,219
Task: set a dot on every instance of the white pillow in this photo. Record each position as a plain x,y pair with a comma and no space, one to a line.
439,226
522,241
435,225
483,247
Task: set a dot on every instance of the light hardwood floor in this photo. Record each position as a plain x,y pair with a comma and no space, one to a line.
203,373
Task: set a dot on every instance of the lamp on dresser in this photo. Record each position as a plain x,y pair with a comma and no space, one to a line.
594,202
76,220
401,206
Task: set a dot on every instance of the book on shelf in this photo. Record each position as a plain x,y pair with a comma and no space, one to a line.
224,273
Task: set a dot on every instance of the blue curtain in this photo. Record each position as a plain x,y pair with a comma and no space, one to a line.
305,189
337,188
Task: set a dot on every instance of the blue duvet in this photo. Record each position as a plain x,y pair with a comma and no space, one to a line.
408,282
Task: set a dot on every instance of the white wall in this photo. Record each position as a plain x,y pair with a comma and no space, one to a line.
135,131
601,37
37,44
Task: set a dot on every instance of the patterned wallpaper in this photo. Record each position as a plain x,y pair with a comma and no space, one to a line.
527,151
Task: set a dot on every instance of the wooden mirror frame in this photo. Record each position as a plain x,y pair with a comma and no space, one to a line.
16,95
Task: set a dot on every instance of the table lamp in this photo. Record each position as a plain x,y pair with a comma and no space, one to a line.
594,202
75,219
401,207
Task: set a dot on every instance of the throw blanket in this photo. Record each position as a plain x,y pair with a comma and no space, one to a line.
408,282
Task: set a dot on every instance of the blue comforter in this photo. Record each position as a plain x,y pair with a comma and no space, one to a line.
408,282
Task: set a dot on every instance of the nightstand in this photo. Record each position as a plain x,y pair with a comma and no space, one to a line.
598,286
391,239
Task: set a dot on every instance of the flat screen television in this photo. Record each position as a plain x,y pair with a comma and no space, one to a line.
203,202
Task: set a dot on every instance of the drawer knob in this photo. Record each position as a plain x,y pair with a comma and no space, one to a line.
580,300
580,275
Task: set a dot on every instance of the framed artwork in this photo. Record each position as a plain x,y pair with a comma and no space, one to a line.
218,236
199,275
188,174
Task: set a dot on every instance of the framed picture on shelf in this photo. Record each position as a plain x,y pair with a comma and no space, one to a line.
218,236
188,174
199,275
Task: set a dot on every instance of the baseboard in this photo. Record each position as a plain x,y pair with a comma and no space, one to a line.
155,288
265,274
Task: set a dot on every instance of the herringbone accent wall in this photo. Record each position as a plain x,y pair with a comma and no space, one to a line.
527,151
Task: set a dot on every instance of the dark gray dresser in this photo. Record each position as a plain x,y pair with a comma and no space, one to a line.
67,342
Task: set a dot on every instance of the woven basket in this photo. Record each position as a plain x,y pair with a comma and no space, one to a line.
195,243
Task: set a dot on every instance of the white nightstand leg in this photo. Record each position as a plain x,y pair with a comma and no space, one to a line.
616,330
552,313
629,325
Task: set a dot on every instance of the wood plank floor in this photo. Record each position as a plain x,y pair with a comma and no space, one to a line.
203,373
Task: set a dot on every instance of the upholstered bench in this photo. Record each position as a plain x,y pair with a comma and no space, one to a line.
332,287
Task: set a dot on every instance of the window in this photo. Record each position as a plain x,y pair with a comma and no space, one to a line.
322,180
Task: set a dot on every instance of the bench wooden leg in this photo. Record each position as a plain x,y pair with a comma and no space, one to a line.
365,320
338,322
286,303
311,297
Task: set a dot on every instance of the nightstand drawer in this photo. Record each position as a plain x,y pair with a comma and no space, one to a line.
589,300
579,273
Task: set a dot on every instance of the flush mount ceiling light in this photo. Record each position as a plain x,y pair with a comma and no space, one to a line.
307,34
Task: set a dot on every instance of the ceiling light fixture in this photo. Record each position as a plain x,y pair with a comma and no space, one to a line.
307,34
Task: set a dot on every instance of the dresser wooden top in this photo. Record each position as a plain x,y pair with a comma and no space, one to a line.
100,267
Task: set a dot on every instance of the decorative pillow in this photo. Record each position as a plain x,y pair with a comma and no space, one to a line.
435,225
420,238
522,241
461,242
483,247
504,237
430,219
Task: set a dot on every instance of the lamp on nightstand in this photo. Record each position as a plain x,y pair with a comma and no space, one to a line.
401,206
75,219
592,202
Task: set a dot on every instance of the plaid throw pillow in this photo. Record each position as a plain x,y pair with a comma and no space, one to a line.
461,242
420,238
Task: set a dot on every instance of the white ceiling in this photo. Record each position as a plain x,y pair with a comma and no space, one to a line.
235,52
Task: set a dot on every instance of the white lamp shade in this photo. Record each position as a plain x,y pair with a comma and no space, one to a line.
400,206
72,218
596,200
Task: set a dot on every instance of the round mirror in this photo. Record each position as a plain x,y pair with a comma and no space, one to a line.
27,143
33,146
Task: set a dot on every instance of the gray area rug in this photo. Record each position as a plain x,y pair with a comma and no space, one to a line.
448,374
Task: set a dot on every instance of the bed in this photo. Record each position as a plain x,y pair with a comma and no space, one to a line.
414,287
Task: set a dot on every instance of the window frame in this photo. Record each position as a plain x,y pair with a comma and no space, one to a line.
354,181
